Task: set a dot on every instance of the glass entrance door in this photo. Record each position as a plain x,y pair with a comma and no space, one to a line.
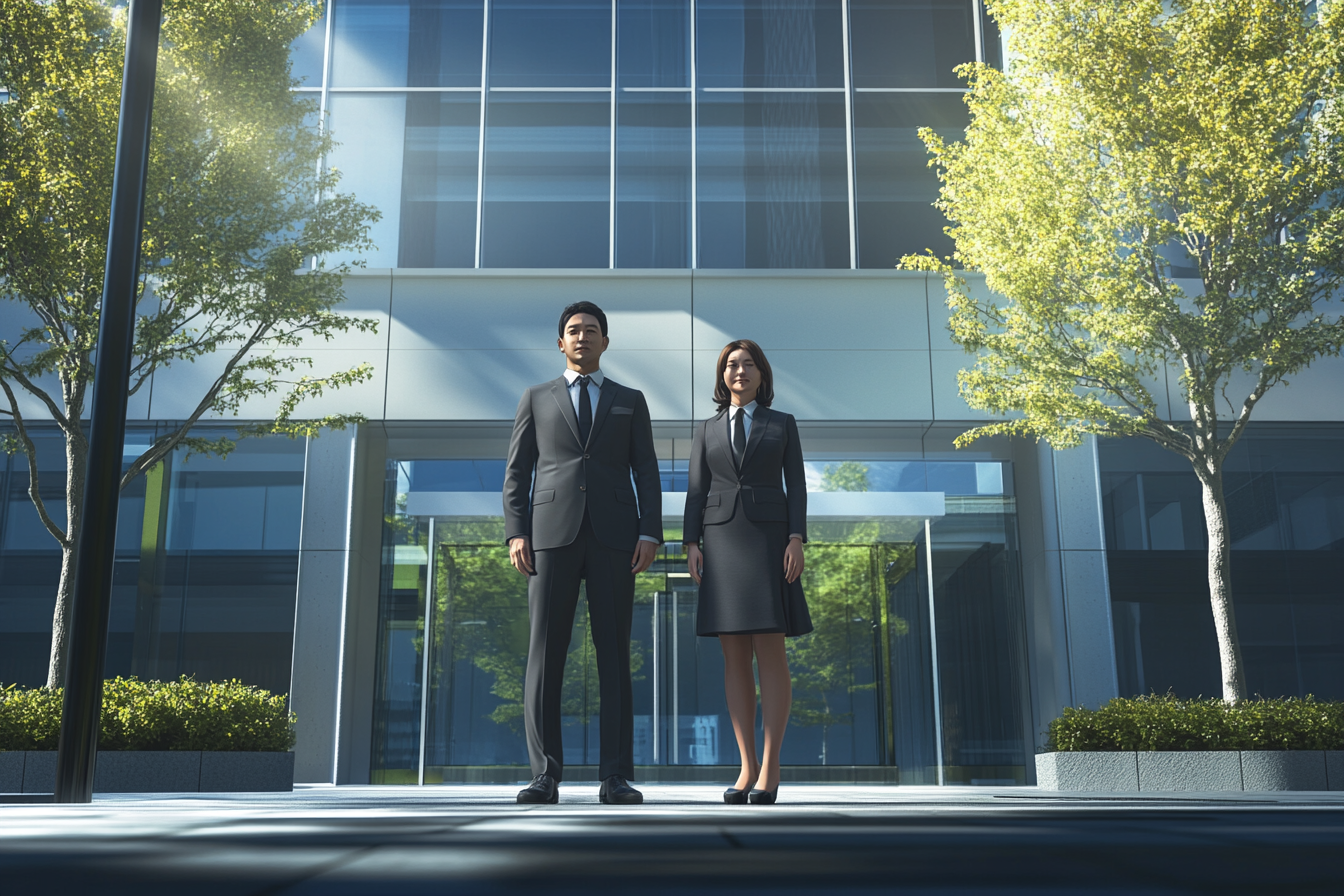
915,670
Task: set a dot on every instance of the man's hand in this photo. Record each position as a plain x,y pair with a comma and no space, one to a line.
643,558
793,560
695,562
520,555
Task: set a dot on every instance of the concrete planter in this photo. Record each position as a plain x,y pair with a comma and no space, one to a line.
1203,771
175,771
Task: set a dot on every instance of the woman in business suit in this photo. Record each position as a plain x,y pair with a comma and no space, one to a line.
753,532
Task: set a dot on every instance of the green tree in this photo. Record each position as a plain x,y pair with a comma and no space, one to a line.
848,476
237,219
1129,138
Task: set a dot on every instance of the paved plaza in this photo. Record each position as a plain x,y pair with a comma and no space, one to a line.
465,839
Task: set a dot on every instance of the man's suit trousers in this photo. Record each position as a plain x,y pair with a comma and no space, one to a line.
552,598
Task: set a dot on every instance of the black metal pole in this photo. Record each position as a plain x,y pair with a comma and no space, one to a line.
94,551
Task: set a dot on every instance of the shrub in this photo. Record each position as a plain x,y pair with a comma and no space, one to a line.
1168,722
156,715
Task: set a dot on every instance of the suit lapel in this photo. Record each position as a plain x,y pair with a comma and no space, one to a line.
560,392
761,419
605,396
718,432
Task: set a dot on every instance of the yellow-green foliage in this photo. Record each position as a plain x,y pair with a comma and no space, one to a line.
1125,134
157,715
1167,722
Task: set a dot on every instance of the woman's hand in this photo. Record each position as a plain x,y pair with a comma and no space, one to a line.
793,560
695,562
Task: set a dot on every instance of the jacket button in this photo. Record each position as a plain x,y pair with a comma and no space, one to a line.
586,456
583,488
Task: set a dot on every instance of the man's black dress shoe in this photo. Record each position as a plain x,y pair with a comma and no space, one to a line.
763,797
615,790
734,797
543,789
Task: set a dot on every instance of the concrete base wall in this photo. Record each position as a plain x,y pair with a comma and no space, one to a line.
1204,771
170,771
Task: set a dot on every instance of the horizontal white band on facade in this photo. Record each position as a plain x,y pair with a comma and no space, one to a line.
820,505
772,89
910,90
405,89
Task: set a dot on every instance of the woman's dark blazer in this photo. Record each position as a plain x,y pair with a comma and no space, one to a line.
717,490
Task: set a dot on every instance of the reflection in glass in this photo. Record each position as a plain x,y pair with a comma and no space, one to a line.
407,43
770,43
370,131
550,43
895,187
653,43
910,43
206,564
773,185
307,53
1284,487
547,180
368,43
438,191
653,180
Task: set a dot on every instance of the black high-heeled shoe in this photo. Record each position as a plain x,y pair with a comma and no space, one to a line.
763,797
735,797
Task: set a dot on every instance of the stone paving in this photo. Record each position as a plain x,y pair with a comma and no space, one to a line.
819,839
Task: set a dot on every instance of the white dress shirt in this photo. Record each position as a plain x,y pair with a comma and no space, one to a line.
748,411
595,380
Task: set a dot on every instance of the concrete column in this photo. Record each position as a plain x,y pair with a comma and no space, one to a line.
330,628
1069,631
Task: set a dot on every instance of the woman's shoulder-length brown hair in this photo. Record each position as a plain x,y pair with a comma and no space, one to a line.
764,395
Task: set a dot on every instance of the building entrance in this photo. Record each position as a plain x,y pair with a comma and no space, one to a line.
870,700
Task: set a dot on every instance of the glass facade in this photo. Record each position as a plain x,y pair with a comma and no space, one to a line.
206,564
1285,494
643,133
866,691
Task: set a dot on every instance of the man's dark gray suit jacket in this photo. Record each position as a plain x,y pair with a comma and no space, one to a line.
571,477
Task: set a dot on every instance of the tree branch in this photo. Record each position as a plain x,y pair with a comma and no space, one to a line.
30,451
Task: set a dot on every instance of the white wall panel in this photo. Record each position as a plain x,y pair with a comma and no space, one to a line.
832,310
835,385
521,310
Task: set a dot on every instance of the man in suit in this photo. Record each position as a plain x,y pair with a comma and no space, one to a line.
570,514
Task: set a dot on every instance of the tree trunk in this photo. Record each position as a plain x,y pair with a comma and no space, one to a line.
75,457
1220,583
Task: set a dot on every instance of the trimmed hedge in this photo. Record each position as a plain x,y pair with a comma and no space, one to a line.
157,715
1167,722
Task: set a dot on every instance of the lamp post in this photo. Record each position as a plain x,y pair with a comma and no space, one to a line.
94,553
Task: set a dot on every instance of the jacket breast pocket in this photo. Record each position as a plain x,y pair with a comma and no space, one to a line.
619,411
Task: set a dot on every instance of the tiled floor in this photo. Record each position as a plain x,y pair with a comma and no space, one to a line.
821,838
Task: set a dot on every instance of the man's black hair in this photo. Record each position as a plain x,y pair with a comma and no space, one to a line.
583,308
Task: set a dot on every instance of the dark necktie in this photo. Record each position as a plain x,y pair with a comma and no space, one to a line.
585,409
739,438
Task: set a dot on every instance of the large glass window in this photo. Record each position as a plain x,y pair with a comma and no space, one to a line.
784,177
867,697
438,197
653,180
407,43
547,180
370,130
1285,496
772,181
550,43
770,43
896,188
308,54
911,43
653,43
205,573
